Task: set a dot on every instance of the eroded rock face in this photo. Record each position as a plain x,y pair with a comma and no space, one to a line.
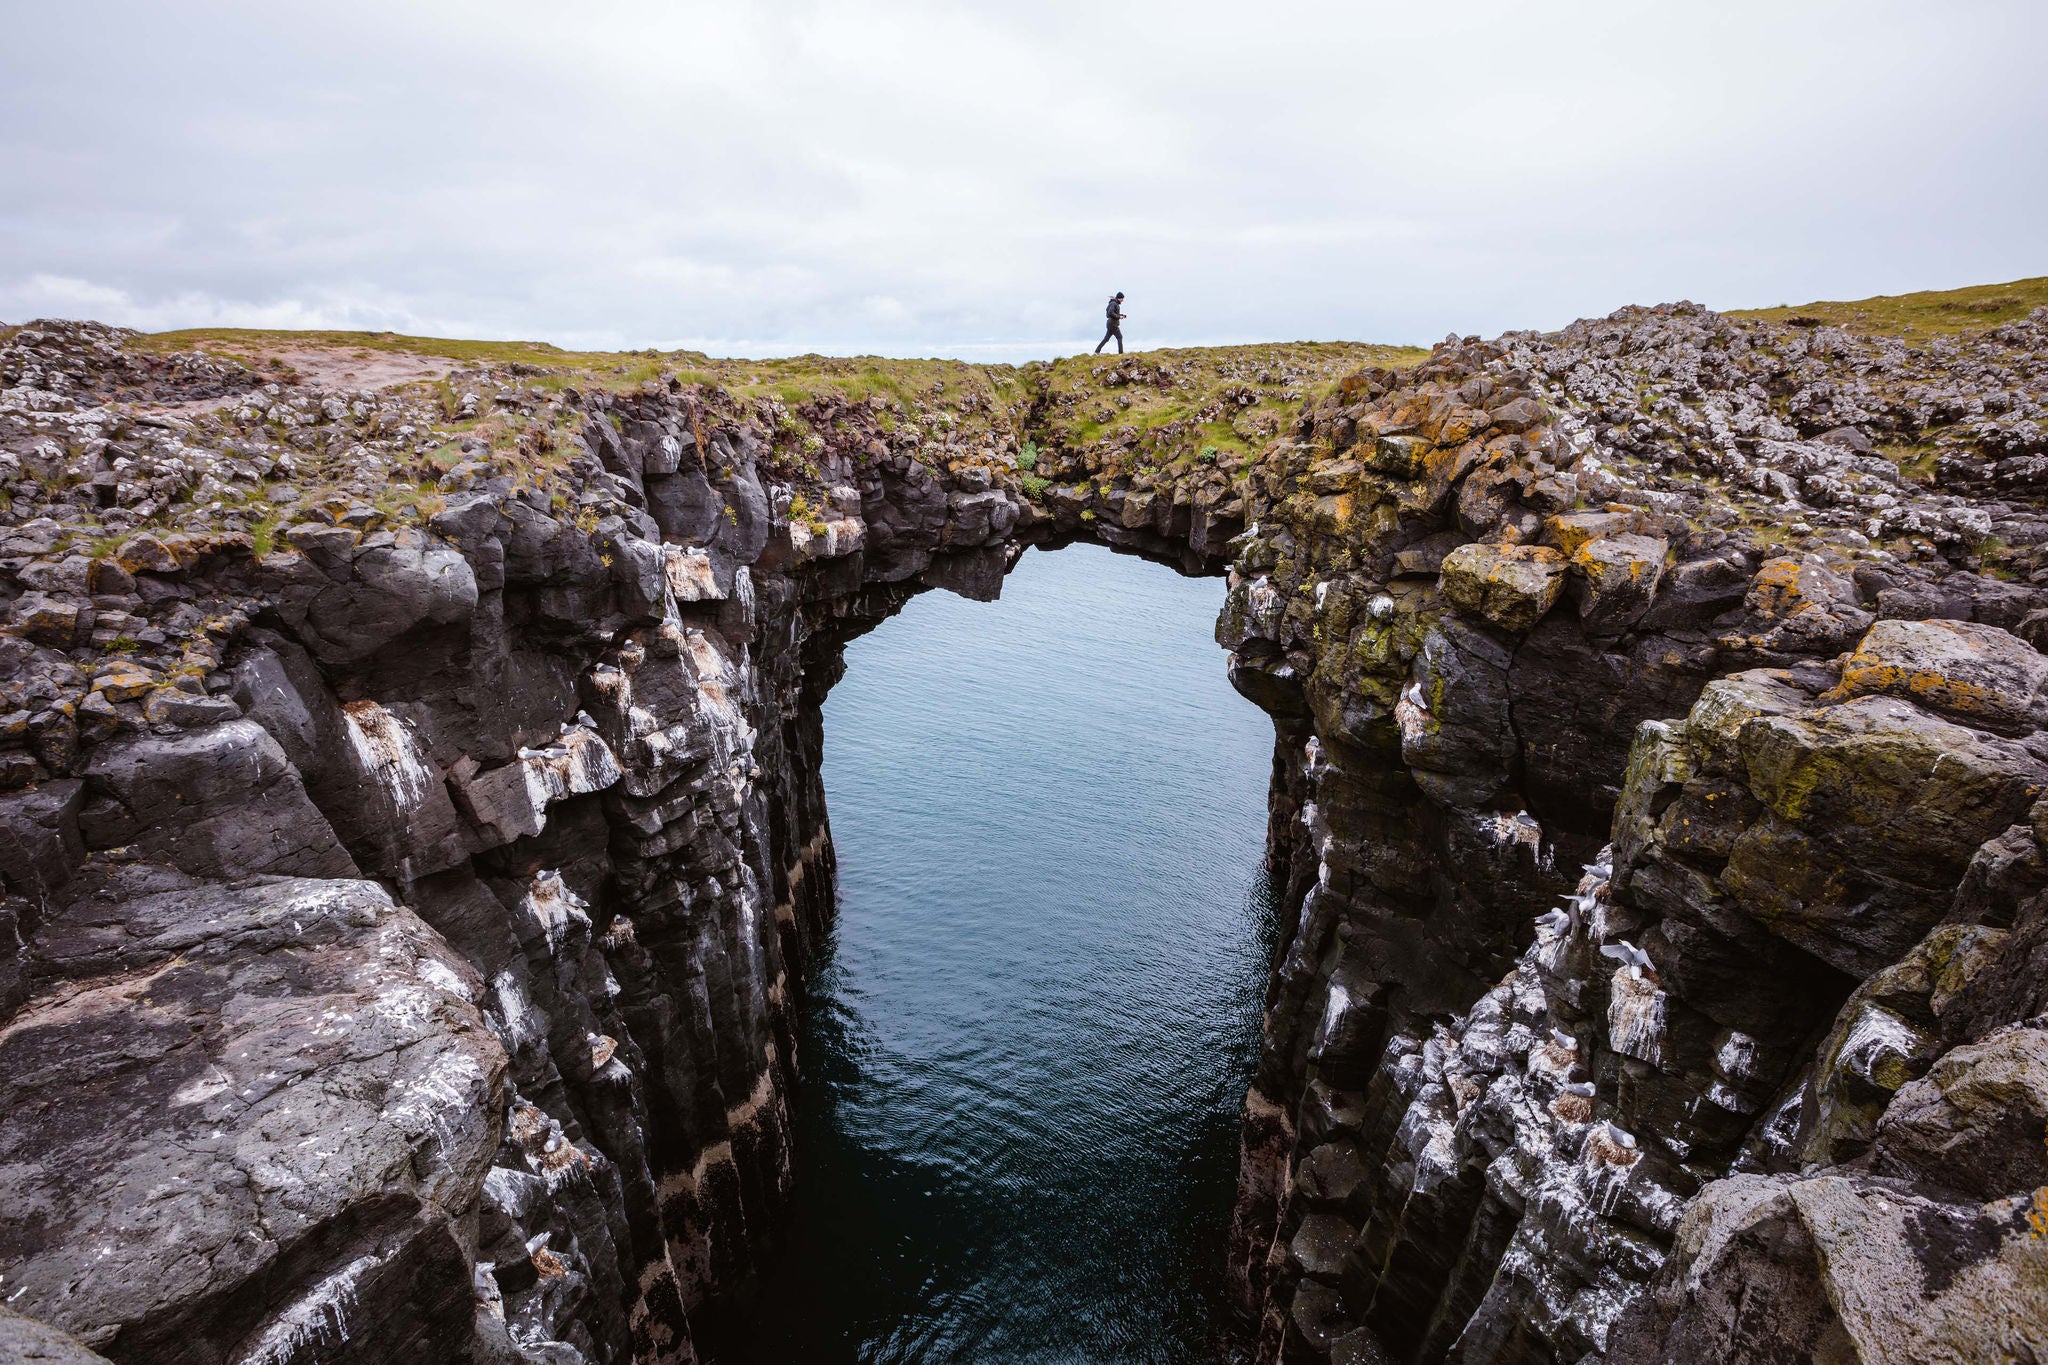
408,972
1633,855
220,1084
1843,1267
1656,802
24,1341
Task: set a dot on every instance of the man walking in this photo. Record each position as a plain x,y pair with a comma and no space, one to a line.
1115,314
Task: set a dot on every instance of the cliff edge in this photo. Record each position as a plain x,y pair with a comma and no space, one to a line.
412,833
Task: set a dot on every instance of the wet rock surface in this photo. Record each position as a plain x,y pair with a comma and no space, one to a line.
422,783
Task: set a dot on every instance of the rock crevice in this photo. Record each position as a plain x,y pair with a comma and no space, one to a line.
413,833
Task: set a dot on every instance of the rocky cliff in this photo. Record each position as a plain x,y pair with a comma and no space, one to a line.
411,848
1662,831
413,834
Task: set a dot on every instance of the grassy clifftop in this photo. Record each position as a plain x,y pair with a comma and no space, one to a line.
1159,407
1181,395
1181,402
1162,386
1916,318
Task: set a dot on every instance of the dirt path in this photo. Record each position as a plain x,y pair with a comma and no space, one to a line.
345,368
339,367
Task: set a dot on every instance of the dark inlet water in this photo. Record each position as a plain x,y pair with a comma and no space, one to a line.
1029,1040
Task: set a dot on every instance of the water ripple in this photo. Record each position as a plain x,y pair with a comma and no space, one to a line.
1028,1038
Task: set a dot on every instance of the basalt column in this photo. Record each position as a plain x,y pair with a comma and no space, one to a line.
413,836
426,987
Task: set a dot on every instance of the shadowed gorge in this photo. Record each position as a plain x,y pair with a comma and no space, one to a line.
413,808
1034,1022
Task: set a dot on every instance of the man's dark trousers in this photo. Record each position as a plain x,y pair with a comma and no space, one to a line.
1116,329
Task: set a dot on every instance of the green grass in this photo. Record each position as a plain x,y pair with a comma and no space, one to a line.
263,534
224,340
1916,463
1194,410
1919,317
914,383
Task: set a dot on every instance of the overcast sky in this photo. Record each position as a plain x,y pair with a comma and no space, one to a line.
973,180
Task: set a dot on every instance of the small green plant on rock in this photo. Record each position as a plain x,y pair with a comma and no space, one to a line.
801,511
263,535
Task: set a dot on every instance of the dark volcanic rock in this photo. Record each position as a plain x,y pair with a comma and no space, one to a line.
220,802
24,1341
413,836
1754,970
217,1088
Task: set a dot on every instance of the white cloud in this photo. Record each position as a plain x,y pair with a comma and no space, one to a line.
67,296
972,179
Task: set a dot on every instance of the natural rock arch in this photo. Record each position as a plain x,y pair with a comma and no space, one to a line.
527,787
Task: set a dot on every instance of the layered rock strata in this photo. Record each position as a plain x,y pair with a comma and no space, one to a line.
413,831
407,913
1650,817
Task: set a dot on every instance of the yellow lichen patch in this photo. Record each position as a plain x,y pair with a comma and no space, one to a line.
1931,688
1331,514
1776,590
1458,426
1510,585
1607,558
124,681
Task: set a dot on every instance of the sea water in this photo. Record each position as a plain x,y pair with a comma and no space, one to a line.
1027,1040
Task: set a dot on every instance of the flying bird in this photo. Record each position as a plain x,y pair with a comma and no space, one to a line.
1626,953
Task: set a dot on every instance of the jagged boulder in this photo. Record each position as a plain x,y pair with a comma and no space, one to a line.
1849,1268
1887,1035
1978,675
1509,585
24,1341
1842,827
39,838
1619,576
218,802
246,1118
1872,811
348,596
1800,604
1977,1122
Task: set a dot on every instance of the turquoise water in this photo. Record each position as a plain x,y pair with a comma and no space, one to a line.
1030,1035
